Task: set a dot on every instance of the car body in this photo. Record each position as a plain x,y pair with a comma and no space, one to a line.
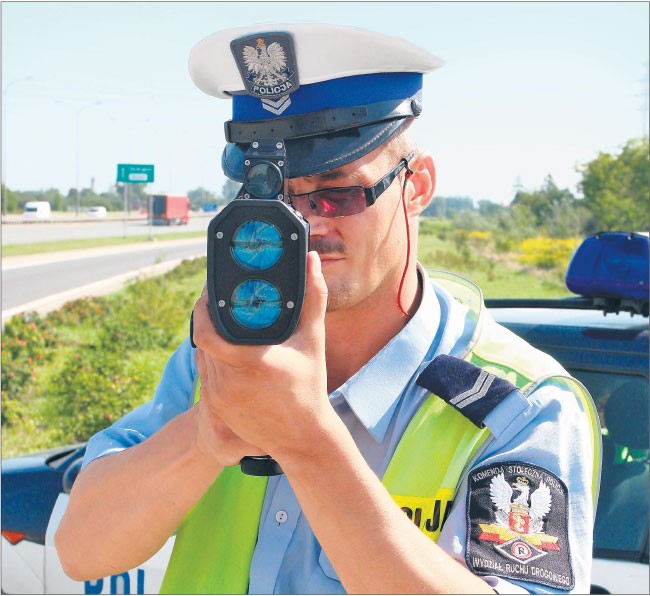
607,353
98,212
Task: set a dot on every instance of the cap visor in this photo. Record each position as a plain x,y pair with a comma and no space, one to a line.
309,156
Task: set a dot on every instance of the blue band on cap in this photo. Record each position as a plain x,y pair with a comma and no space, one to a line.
335,93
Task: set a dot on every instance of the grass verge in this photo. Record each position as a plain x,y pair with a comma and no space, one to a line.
14,250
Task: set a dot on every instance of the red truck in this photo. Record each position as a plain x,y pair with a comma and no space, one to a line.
168,210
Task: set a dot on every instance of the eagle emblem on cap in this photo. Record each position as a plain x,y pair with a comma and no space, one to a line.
266,63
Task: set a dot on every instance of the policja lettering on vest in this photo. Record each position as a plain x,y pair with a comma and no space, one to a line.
433,523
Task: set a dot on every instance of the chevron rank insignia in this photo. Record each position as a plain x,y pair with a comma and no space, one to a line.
471,390
517,524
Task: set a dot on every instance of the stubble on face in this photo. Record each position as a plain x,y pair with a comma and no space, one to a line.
339,292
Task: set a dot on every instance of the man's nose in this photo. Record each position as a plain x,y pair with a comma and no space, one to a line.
318,226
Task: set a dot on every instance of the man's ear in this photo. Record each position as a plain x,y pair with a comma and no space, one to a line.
423,180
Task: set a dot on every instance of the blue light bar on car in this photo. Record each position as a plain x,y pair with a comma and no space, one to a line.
610,265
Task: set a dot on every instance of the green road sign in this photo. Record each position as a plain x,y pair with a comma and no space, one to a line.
134,173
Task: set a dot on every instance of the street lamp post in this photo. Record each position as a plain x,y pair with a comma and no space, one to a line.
77,119
5,138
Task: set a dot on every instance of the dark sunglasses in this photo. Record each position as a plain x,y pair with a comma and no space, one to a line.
340,201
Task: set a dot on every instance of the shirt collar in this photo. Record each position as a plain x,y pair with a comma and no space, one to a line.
374,391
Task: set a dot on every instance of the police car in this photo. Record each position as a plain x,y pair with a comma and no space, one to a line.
35,491
601,337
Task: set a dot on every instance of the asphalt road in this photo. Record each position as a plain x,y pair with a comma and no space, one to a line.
44,282
14,231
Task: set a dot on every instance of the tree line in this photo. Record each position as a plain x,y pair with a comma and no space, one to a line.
113,200
615,196
614,190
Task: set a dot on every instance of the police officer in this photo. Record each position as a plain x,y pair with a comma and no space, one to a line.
424,447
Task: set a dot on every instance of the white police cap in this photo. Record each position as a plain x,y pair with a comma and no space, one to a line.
332,93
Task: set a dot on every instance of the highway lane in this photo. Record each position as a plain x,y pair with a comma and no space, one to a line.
42,282
16,232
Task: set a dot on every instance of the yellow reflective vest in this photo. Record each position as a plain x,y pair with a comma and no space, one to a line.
215,542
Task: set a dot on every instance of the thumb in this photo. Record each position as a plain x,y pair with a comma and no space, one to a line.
315,303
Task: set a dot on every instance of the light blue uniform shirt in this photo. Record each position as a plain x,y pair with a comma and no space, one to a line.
546,429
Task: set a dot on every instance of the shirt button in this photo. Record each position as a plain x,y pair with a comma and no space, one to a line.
281,517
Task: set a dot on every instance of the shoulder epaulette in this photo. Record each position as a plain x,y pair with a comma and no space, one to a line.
473,391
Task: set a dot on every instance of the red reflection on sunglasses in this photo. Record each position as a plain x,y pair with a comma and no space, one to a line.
328,208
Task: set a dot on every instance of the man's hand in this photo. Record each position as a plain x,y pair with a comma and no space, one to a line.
270,397
213,438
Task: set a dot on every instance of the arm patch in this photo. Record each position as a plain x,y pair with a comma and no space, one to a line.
517,524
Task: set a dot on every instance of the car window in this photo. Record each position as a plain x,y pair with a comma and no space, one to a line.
621,528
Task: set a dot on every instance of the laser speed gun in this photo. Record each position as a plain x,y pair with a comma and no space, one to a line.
257,255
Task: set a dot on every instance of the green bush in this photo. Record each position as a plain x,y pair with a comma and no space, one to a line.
188,268
27,341
83,311
433,226
147,315
504,243
94,388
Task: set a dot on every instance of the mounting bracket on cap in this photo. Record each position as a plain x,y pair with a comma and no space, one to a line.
321,122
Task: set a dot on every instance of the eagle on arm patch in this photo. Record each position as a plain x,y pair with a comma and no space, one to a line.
517,524
516,513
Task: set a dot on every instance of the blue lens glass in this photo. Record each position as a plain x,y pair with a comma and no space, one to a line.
256,245
256,304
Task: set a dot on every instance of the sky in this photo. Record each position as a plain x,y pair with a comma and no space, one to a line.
529,89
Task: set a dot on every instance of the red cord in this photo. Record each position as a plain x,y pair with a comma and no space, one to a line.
408,245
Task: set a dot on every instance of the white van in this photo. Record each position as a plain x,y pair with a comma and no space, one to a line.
37,210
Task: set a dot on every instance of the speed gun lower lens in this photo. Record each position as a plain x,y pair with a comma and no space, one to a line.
256,304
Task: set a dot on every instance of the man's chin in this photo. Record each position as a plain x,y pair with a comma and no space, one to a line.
340,292
339,297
